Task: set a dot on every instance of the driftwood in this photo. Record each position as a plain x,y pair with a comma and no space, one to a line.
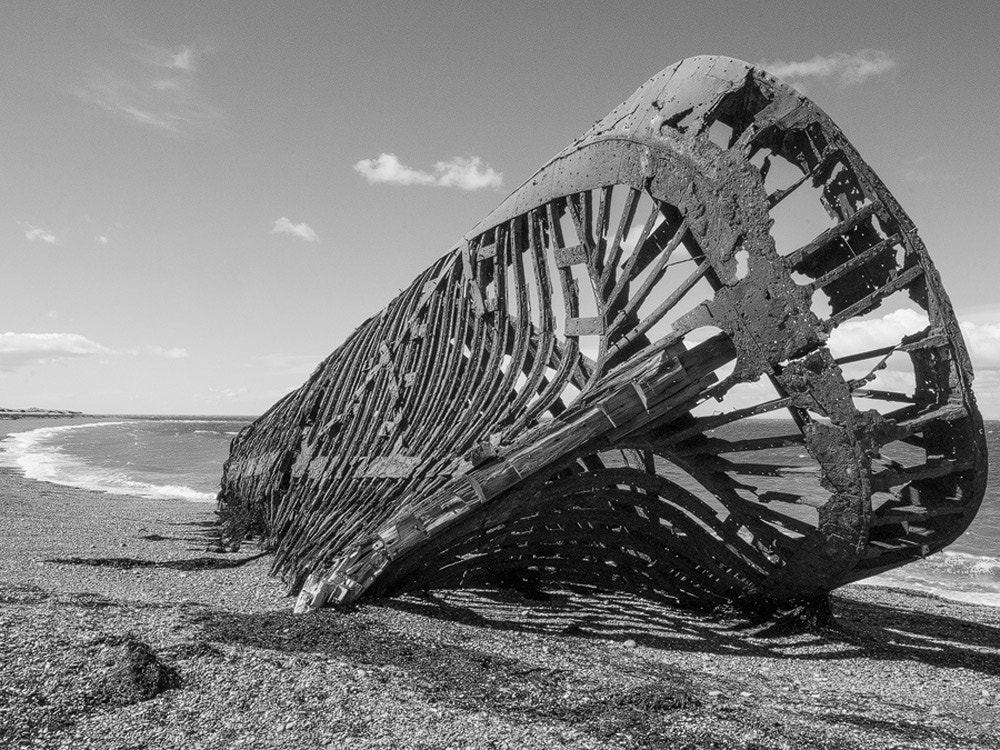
537,405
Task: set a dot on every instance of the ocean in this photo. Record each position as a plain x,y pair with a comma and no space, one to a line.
181,458
151,457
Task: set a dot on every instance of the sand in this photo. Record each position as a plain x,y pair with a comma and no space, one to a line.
85,577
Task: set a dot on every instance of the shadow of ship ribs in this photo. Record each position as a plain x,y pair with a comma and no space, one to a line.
535,405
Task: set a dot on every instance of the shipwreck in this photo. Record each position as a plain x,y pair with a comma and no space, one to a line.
570,394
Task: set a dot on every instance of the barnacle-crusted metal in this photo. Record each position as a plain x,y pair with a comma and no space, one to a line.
539,402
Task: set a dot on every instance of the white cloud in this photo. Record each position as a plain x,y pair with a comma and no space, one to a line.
980,329
843,68
983,341
467,174
856,336
37,233
284,225
183,59
982,338
464,173
864,335
388,168
25,349
154,86
167,352
101,239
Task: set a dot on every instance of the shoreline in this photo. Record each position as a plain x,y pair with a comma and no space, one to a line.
80,569
40,414
45,461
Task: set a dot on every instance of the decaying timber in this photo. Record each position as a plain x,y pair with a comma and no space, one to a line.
560,396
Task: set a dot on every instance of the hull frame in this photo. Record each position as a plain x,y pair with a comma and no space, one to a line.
536,405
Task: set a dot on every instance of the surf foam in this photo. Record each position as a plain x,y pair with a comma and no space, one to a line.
974,579
35,455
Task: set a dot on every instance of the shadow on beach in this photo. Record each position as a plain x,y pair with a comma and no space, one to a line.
863,629
132,563
583,672
566,662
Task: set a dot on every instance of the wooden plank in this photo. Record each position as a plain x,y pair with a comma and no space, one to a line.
395,466
713,446
668,304
883,395
571,256
913,514
869,301
884,351
487,251
654,276
476,298
615,248
602,221
797,259
852,264
892,477
822,166
584,327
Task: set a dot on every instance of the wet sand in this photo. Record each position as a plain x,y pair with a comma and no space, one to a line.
81,572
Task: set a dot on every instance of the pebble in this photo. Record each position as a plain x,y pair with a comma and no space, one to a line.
247,681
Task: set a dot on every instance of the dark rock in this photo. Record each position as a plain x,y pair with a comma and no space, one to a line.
135,674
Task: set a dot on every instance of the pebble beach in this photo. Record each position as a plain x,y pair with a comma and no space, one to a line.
86,578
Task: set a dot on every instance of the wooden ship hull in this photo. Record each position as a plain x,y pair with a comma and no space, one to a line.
569,394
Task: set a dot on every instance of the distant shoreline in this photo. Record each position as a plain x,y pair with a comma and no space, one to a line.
65,414
39,413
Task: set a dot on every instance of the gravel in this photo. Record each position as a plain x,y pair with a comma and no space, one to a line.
119,628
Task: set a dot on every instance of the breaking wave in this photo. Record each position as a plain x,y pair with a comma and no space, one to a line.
959,576
56,455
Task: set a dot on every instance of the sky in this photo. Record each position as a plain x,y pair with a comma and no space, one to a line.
200,201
